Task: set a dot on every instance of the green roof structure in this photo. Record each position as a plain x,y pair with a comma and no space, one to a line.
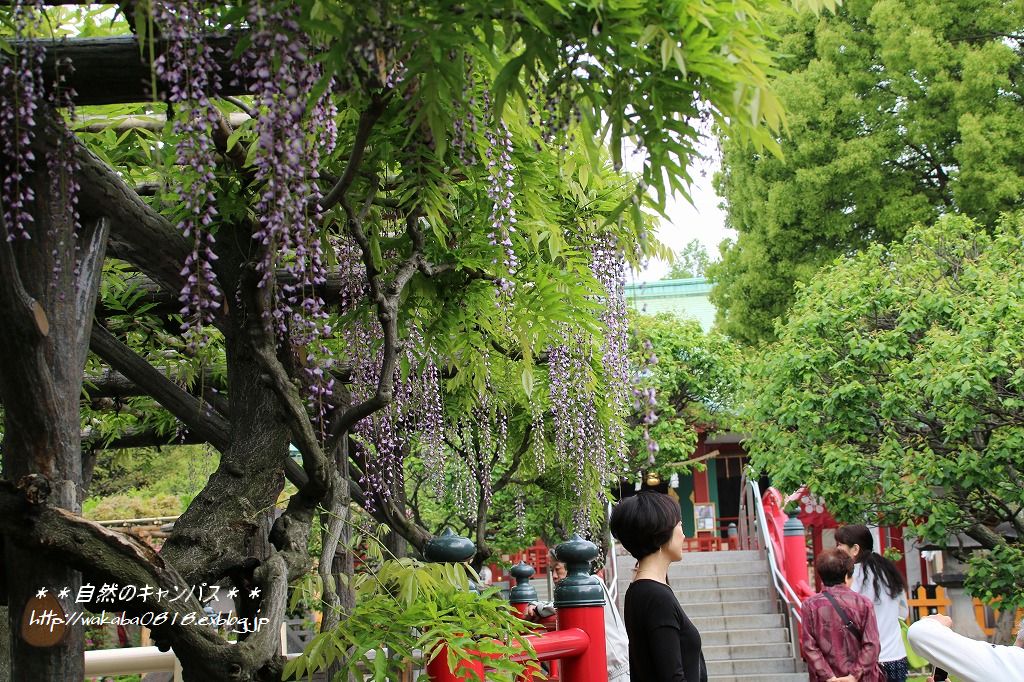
685,298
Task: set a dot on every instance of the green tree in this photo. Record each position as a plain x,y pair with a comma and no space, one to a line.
896,393
376,196
900,110
691,261
685,380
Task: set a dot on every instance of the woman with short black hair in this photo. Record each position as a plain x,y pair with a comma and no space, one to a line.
838,637
879,580
664,645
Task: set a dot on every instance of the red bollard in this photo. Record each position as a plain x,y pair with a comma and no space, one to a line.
795,562
579,601
592,664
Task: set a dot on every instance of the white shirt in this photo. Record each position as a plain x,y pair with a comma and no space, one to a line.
616,640
967,659
888,611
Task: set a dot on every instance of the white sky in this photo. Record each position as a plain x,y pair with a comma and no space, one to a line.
702,220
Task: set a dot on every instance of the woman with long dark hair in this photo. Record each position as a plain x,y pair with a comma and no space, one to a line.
879,580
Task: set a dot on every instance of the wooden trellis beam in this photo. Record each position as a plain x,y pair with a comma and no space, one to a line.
115,70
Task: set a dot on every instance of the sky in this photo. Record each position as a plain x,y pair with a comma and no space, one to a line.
702,220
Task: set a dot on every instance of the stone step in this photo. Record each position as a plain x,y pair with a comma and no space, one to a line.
729,608
736,652
775,634
625,563
712,581
745,667
730,623
705,570
706,596
755,566
724,557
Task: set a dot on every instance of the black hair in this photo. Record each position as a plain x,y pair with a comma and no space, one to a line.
834,566
877,568
644,522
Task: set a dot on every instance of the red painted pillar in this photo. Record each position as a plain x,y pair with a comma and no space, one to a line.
701,491
816,549
592,664
896,542
579,601
795,561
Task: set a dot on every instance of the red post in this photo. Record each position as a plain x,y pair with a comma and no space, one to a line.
896,542
592,664
795,562
552,646
817,546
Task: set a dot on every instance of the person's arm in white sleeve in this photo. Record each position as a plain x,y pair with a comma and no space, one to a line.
965,658
904,608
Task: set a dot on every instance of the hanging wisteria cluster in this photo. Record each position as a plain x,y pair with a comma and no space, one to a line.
284,72
415,413
22,92
501,170
645,404
62,166
464,125
21,78
579,433
609,267
188,69
582,437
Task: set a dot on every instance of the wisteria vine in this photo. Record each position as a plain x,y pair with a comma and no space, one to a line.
189,71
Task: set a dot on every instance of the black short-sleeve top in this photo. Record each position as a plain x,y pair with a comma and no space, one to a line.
664,646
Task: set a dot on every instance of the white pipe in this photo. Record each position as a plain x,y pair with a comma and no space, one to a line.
141,659
136,660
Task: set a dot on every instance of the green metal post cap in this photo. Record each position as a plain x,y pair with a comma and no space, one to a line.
449,548
793,525
524,592
579,588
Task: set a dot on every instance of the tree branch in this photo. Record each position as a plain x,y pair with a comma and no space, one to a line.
141,438
24,312
115,70
517,458
107,556
196,415
367,119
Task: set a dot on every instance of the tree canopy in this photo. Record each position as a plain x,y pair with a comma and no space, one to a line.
691,261
368,230
896,392
686,382
900,111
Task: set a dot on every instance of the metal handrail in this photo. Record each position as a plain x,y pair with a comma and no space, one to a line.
782,587
759,533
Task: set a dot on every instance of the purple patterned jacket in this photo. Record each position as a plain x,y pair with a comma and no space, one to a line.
830,649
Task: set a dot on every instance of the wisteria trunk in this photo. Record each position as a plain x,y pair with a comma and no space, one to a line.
219,531
48,288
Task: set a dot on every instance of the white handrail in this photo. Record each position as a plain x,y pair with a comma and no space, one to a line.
131,661
782,586
134,661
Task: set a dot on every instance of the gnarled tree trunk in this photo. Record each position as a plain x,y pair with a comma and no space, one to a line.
48,289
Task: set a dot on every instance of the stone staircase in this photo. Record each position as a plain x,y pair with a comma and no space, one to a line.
729,597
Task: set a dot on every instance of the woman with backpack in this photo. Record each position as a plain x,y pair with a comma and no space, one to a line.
879,580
